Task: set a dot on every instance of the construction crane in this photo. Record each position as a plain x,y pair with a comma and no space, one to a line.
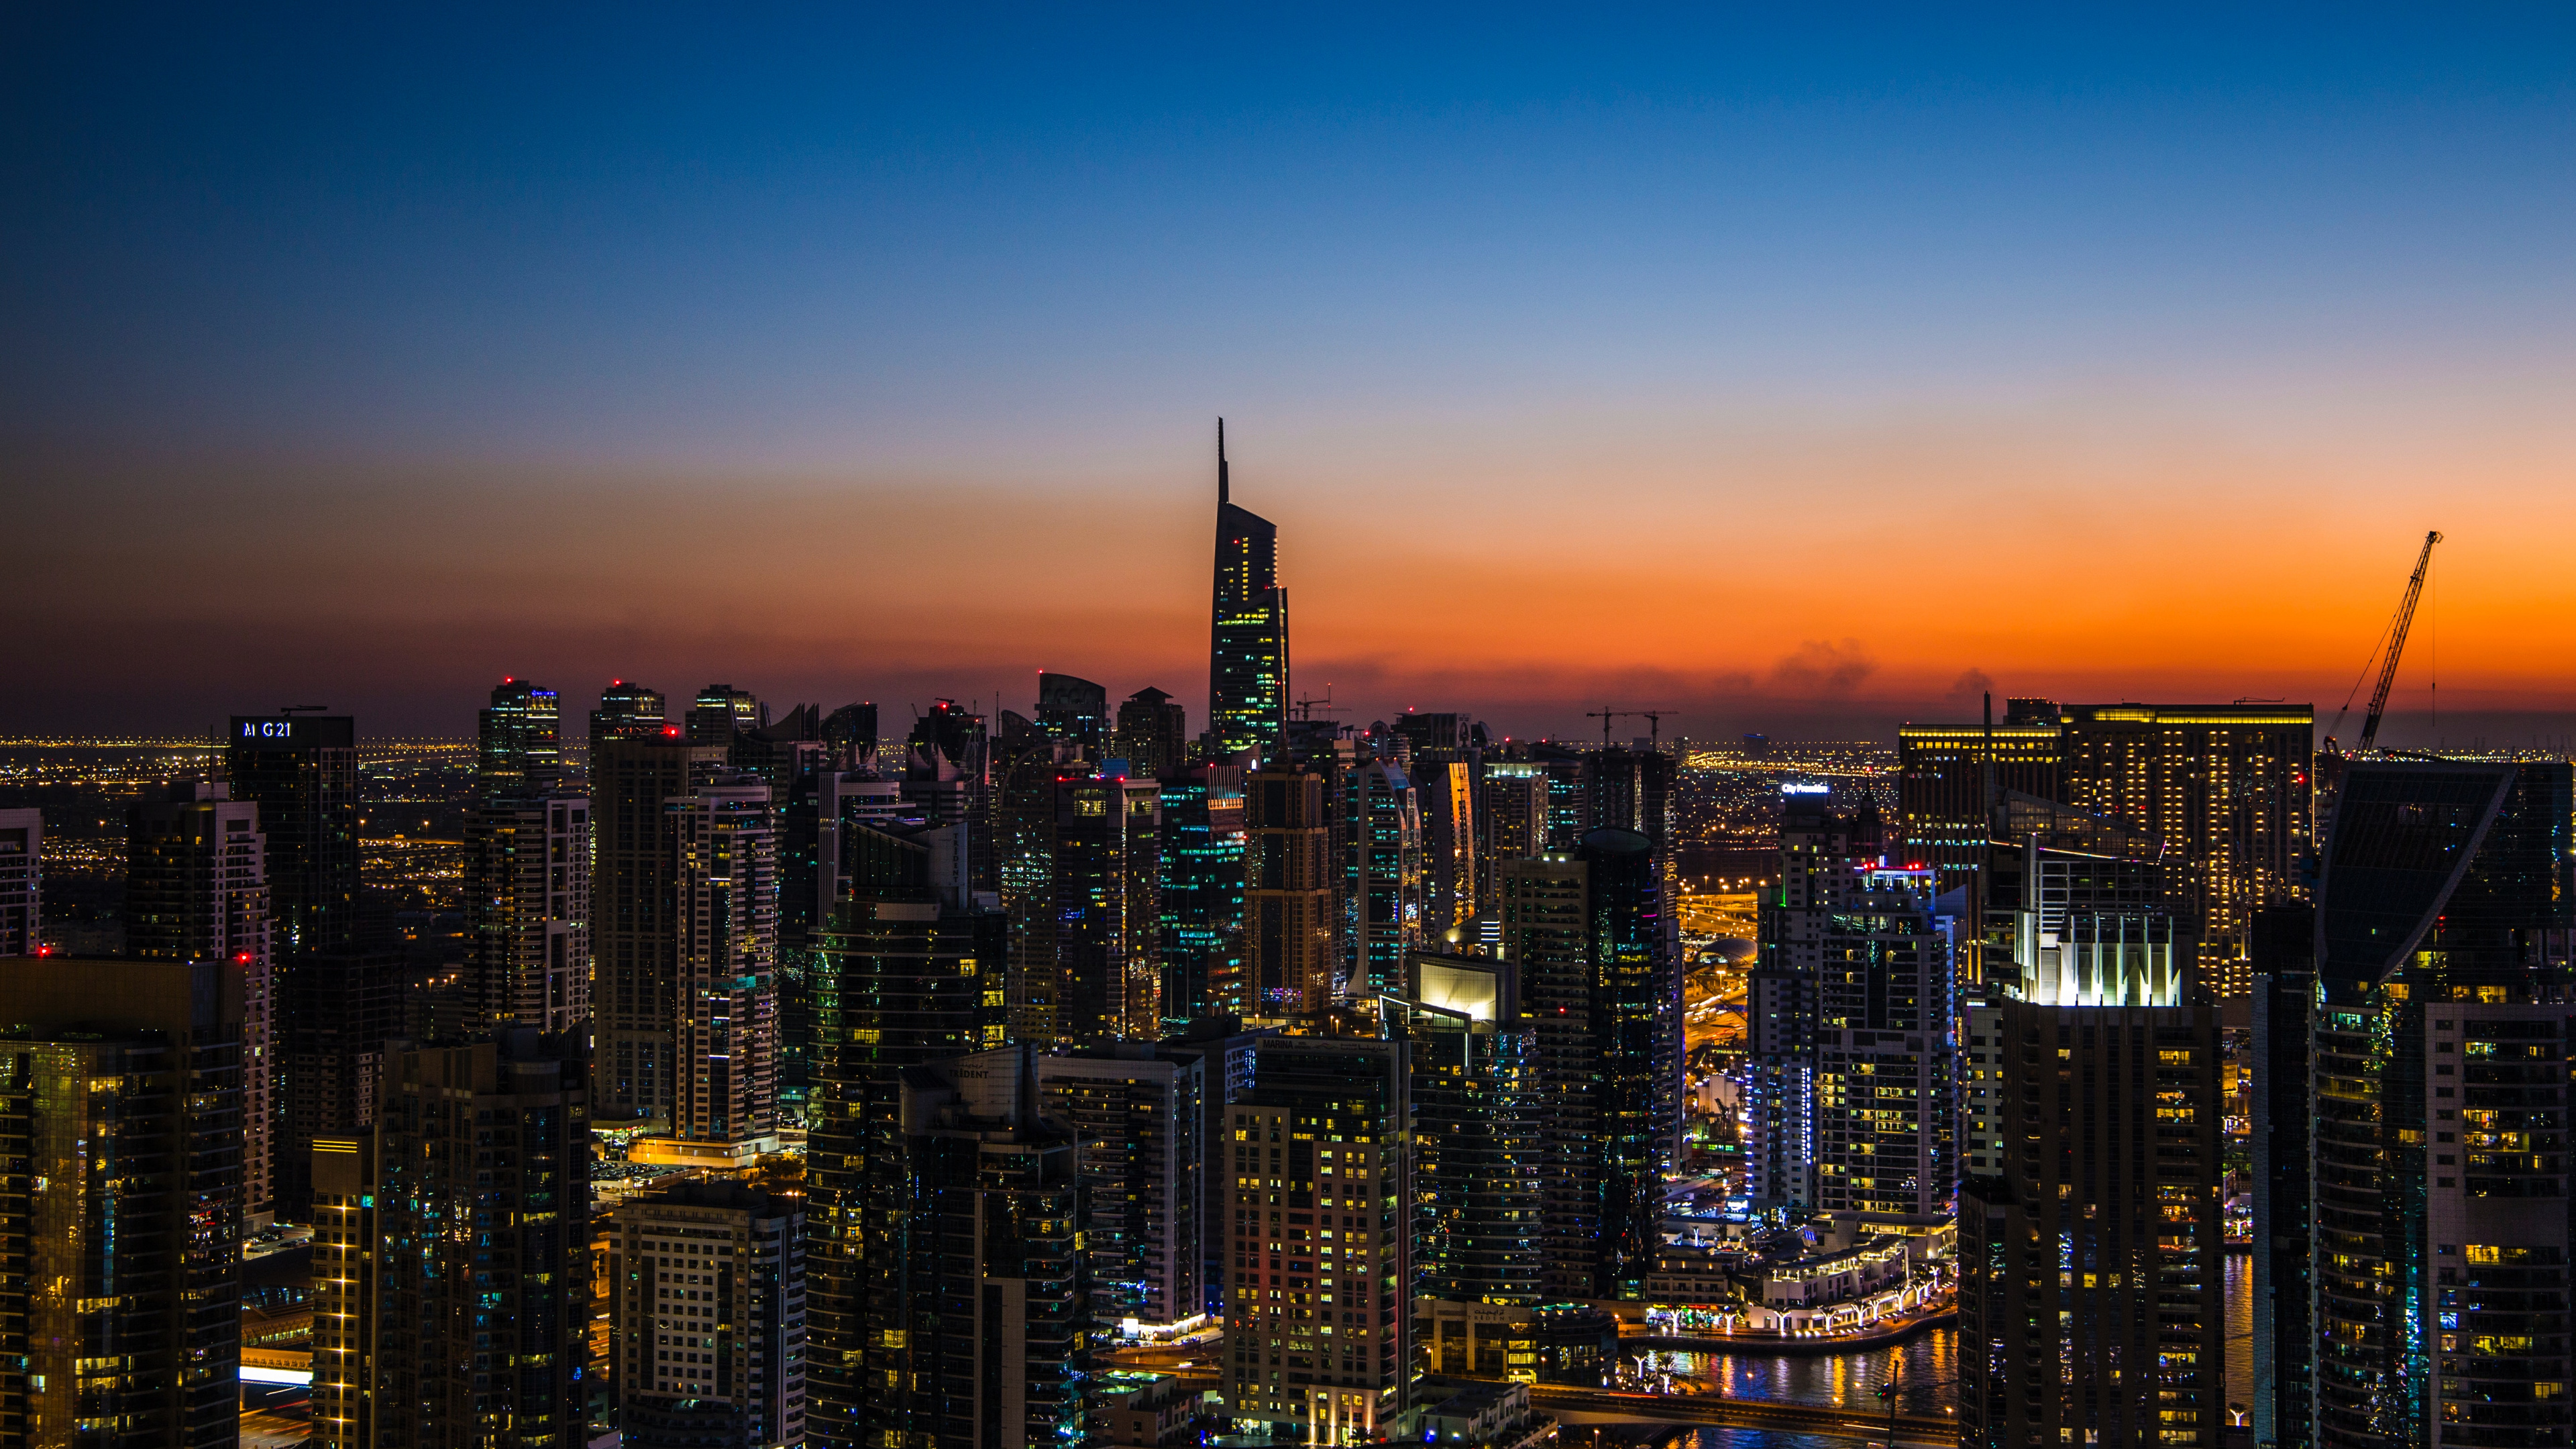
1654,719
2394,639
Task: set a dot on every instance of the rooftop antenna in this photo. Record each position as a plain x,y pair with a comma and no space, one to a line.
1224,488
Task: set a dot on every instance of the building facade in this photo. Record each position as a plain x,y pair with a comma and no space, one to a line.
1139,1114
1248,639
707,1295
301,770
120,1108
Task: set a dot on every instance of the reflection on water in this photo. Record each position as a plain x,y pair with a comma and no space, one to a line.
1926,1371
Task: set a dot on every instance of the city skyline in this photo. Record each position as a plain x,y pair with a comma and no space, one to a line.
420,357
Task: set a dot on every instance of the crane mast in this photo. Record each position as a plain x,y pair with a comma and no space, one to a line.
2396,644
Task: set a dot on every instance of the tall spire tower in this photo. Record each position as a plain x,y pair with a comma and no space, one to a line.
1248,639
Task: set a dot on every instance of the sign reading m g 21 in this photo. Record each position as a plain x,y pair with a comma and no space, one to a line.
322,730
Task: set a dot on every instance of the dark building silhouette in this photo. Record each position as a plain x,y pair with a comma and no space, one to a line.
348,1008
2440,1043
2091,1296
635,917
519,755
120,1099
909,970
1074,710
451,1253
22,871
301,770
196,889
2283,1141
1248,641
1153,733
626,711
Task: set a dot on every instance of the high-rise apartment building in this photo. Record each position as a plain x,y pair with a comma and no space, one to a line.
909,970
635,923
721,711
1108,881
451,1254
2442,1032
1248,641
527,913
1382,879
1202,926
196,889
2091,1298
1446,765
2225,787
1153,734
348,1008
301,770
1318,1343
627,711
2228,788
2283,1142
724,1011
1547,937
707,1298
1855,939
519,753
973,1311
22,891
1477,1133
1637,1029
1139,1114
120,1101
1289,879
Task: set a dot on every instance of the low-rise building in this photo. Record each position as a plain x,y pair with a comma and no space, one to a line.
1482,1416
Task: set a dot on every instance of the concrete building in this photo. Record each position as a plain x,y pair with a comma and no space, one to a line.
707,1295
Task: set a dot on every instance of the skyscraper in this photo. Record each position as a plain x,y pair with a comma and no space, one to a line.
1288,891
1153,733
1317,1309
634,912
1636,1025
519,755
1074,710
626,711
120,1097
2442,1033
2090,1296
721,710
1547,936
451,1254
1203,855
724,1105
909,970
1108,887
1139,1113
973,1308
301,770
1248,642
527,912
1477,1103
707,1294
22,894
1859,940
196,889
1382,884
